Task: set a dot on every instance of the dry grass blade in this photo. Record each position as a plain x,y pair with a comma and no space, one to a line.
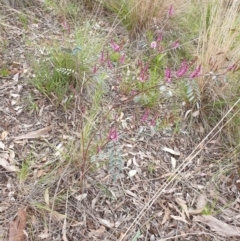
141,15
218,38
64,228
188,160
34,134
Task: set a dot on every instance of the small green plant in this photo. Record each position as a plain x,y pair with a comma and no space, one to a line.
49,4
110,156
105,190
208,209
23,19
4,72
32,104
193,94
65,71
146,84
65,9
72,10
25,169
151,168
56,74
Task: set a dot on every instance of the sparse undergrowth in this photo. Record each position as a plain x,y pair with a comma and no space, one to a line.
148,122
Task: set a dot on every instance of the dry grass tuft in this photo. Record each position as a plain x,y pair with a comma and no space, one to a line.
144,14
218,47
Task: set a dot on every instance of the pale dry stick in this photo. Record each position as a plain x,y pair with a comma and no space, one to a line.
188,160
64,234
55,195
181,236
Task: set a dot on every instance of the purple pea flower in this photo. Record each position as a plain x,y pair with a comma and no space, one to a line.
159,37
98,149
153,121
110,66
195,73
231,67
122,59
175,44
143,77
170,11
183,69
115,46
102,57
139,63
95,69
144,74
145,116
113,135
168,75
153,45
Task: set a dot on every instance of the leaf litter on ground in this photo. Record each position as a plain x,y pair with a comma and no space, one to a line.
17,226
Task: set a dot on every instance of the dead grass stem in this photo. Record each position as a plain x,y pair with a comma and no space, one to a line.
142,15
219,33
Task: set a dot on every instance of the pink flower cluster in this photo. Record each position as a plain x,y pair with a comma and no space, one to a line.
182,71
156,44
168,75
146,115
144,71
113,135
103,59
115,46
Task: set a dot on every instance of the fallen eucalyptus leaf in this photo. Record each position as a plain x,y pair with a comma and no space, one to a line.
10,168
34,134
106,223
218,226
81,196
132,173
171,151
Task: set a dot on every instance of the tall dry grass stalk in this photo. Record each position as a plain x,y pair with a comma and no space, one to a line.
139,15
218,46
